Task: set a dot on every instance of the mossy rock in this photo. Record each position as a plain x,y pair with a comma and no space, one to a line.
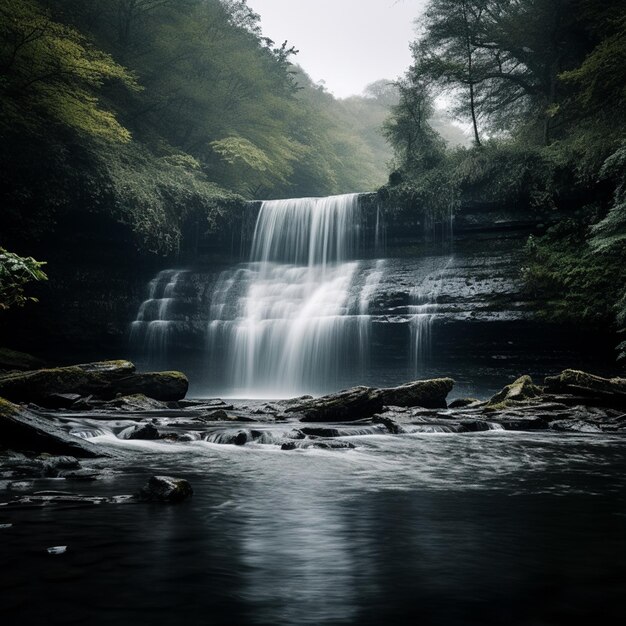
348,405
595,390
103,380
89,379
429,394
576,380
20,429
521,390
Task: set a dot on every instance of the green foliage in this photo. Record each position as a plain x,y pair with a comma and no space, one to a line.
48,71
545,80
15,273
570,281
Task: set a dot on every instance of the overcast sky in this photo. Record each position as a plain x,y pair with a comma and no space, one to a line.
346,43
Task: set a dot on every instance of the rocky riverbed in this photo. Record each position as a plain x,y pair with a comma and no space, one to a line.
64,422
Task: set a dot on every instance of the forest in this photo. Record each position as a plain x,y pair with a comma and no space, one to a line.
269,356
542,86
149,111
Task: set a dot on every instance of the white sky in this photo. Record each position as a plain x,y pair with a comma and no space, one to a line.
346,43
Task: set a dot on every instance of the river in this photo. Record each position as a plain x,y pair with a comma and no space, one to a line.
430,528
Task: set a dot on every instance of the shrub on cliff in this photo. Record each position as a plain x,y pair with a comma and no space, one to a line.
15,273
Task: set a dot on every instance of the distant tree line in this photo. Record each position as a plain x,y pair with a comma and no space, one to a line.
150,110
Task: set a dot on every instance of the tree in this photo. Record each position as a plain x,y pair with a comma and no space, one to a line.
408,130
48,71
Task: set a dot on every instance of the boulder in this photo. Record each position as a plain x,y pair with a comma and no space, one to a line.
164,386
393,427
103,380
349,405
429,394
522,389
591,389
136,402
462,403
165,489
20,429
141,432
90,378
574,426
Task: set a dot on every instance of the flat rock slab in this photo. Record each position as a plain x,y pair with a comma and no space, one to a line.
103,381
429,394
349,405
21,429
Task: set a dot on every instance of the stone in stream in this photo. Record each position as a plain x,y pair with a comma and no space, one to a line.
133,403
593,390
322,445
430,394
165,489
393,427
142,432
522,389
462,403
102,380
20,429
349,405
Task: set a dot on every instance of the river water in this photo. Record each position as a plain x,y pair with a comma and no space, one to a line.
430,528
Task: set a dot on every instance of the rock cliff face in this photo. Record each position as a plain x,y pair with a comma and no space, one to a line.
461,295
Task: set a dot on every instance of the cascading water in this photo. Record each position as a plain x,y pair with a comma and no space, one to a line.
150,332
423,310
304,315
297,315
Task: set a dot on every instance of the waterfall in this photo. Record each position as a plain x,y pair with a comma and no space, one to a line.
423,310
304,314
295,318
151,330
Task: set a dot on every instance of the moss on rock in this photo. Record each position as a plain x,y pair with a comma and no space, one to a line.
521,390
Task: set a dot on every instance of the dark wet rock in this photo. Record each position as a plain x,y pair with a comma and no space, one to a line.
311,431
462,403
520,423
322,445
220,416
81,475
429,394
208,405
574,426
240,439
141,432
393,427
20,429
135,402
332,445
62,500
349,405
164,386
522,389
60,400
474,426
166,489
104,381
12,360
588,388
53,466
295,434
